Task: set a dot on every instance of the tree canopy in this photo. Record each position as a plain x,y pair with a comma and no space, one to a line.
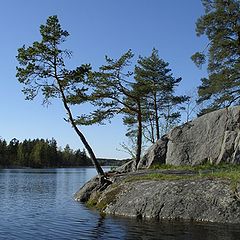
115,92
40,153
159,102
43,71
221,24
144,94
141,96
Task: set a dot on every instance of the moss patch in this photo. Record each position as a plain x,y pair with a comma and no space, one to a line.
100,200
108,197
231,173
93,200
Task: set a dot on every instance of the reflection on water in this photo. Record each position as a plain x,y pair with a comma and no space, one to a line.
38,204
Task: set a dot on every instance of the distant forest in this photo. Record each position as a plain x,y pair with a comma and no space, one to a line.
40,153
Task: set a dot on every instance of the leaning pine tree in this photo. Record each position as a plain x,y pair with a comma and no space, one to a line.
42,71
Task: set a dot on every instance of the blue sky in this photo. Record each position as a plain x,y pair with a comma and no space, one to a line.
97,28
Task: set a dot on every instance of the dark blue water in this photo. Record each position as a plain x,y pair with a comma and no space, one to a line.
38,204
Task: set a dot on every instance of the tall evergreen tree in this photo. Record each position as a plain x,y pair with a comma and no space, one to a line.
42,70
36,155
39,153
12,150
114,93
3,153
160,102
134,114
221,24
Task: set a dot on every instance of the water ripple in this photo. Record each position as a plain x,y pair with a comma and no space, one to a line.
38,205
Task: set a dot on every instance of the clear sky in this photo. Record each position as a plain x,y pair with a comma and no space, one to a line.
97,28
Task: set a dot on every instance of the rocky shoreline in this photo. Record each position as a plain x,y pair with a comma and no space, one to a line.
213,138
169,198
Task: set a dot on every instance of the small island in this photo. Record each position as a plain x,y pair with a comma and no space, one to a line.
137,133
176,179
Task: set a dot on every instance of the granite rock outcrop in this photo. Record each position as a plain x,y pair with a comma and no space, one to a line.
213,138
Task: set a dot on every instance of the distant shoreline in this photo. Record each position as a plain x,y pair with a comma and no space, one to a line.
104,162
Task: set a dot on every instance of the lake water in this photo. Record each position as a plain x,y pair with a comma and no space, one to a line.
38,204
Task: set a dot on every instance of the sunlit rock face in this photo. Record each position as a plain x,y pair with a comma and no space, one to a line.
156,154
213,137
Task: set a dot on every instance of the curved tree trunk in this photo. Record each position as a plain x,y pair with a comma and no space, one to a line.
80,134
156,117
89,149
139,134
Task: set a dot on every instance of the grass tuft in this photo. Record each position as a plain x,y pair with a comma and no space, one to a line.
221,171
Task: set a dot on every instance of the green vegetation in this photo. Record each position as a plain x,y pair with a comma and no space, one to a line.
221,171
228,172
93,200
158,177
100,203
160,102
146,96
143,94
109,197
221,25
42,71
115,92
206,166
40,153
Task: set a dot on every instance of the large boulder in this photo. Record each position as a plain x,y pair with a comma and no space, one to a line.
156,154
213,137
129,166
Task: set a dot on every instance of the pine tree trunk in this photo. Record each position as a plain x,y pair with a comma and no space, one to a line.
139,135
81,136
89,150
156,117
152,130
